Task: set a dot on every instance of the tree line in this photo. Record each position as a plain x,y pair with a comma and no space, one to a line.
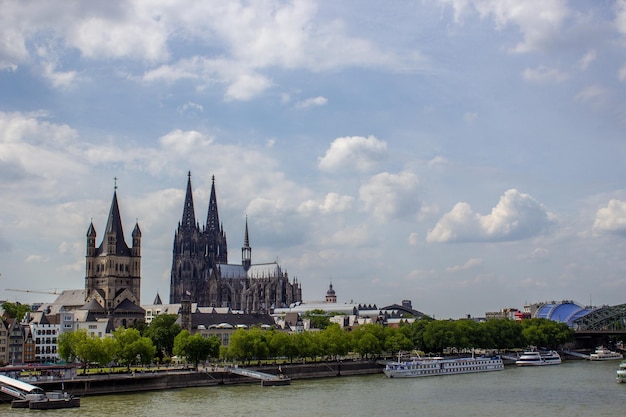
163,338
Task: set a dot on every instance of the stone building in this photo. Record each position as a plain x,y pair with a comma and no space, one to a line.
201,272
113,272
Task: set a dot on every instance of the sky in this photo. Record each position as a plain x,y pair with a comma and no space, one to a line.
467,155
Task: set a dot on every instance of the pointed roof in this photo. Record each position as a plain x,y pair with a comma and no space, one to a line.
189,215
92,305
91,232
213,218
157,300
136,231
246,239
114,226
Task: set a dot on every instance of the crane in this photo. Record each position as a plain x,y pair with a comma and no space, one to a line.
33,291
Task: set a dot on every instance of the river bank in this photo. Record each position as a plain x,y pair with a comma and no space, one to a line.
103,384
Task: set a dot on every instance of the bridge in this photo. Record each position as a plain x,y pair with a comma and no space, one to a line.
601,325
266,379
16,388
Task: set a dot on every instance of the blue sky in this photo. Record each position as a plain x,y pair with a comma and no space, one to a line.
464,154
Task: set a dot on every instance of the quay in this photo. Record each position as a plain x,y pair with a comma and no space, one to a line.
103,384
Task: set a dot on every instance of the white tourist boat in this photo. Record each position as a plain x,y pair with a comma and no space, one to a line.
603,354
621,372
535,358
418,366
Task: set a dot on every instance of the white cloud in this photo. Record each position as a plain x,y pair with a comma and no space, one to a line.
238,40
311,102
544,74
586,60
470,264
594,95
353,152
190,107
247,86
185,142
539,21
620,16
516,216
391,195
612,218
332,203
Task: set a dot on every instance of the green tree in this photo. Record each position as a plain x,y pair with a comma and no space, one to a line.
132,348
240,345
319,319
396,341
546,333
15,310
196,348
334,341
162,331
68,342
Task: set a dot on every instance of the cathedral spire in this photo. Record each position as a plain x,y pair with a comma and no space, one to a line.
189,215
213,218
246,250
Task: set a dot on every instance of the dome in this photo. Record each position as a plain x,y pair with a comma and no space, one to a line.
563,312
330,290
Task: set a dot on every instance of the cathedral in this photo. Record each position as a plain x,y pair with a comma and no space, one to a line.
201,272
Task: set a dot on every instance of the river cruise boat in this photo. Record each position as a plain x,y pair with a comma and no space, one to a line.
417,367
535,358
621,372
603,354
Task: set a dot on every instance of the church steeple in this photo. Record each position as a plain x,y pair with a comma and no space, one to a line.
246,250
113,242
216,248
213,218
189,214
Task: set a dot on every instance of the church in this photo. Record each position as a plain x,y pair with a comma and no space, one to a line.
113,273
202,274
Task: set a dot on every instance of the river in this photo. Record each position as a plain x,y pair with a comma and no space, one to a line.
575,388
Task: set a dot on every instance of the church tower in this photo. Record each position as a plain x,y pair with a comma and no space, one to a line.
113,270
188,255
216,249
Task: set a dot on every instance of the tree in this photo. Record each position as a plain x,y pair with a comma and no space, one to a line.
240,345
546,333
15,310
196,348
162,331
68,342
319,319
132,347
334,341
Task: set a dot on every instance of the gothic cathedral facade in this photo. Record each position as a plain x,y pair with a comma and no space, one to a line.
201,272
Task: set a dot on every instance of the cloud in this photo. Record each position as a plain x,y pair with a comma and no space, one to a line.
391,195
539,21
310,102
594,95
516,216
620,16
612,218
185,142
353,153
31,146
238,42
332,203
190,107
470,264
586,60
543,74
